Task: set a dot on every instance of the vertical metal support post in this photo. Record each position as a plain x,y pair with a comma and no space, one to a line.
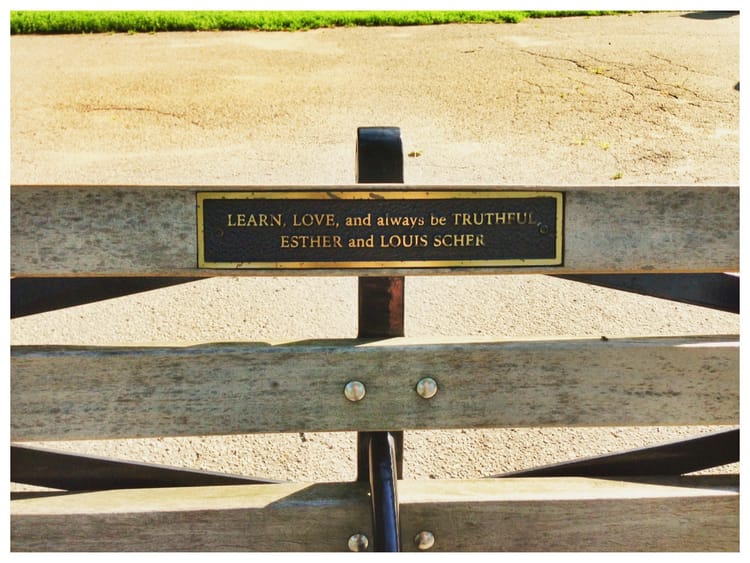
381,307
380,160
381,315
384,497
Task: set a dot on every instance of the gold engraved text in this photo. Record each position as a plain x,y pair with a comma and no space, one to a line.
493,218
254,220
311,241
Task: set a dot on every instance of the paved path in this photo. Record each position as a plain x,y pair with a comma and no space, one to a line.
631,99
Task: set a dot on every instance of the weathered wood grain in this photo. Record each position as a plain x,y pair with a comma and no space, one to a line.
120,231
517,514
279,517
574,514
63,393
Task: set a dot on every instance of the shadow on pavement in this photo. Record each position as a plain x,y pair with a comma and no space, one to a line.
710,15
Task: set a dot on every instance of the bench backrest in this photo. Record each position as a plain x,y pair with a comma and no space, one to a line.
68,393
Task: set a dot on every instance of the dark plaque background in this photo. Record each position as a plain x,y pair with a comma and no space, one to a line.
254,247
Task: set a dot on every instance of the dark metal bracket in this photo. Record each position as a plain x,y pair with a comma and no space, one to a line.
29,296
716,291
72,472
674,458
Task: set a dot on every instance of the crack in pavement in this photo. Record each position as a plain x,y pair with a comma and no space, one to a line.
661,83
584,67
85,108
659,87
666,60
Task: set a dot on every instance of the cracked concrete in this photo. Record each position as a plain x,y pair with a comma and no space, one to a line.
89,108
640,99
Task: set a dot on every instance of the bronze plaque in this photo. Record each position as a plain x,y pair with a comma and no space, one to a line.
355,228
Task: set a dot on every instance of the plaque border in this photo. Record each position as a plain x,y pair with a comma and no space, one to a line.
369,194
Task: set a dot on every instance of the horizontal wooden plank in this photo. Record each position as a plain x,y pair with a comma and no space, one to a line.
63,393
517,514
574,514
278,517
121,231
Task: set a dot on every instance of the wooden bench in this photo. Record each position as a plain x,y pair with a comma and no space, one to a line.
72,245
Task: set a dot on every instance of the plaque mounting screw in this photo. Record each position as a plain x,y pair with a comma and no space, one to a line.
354,391
427,388
424,540
543,229
358,542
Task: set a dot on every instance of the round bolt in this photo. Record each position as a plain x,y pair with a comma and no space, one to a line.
424,540
543,229
354,391
427,388
358,542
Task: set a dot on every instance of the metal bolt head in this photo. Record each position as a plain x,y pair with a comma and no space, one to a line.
358,542
424,540
427,388
354,391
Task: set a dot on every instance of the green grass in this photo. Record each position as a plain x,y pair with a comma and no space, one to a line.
58,22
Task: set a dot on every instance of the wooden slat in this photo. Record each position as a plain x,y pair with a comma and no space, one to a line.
279,517
517,514
121,231
63,393
574,514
